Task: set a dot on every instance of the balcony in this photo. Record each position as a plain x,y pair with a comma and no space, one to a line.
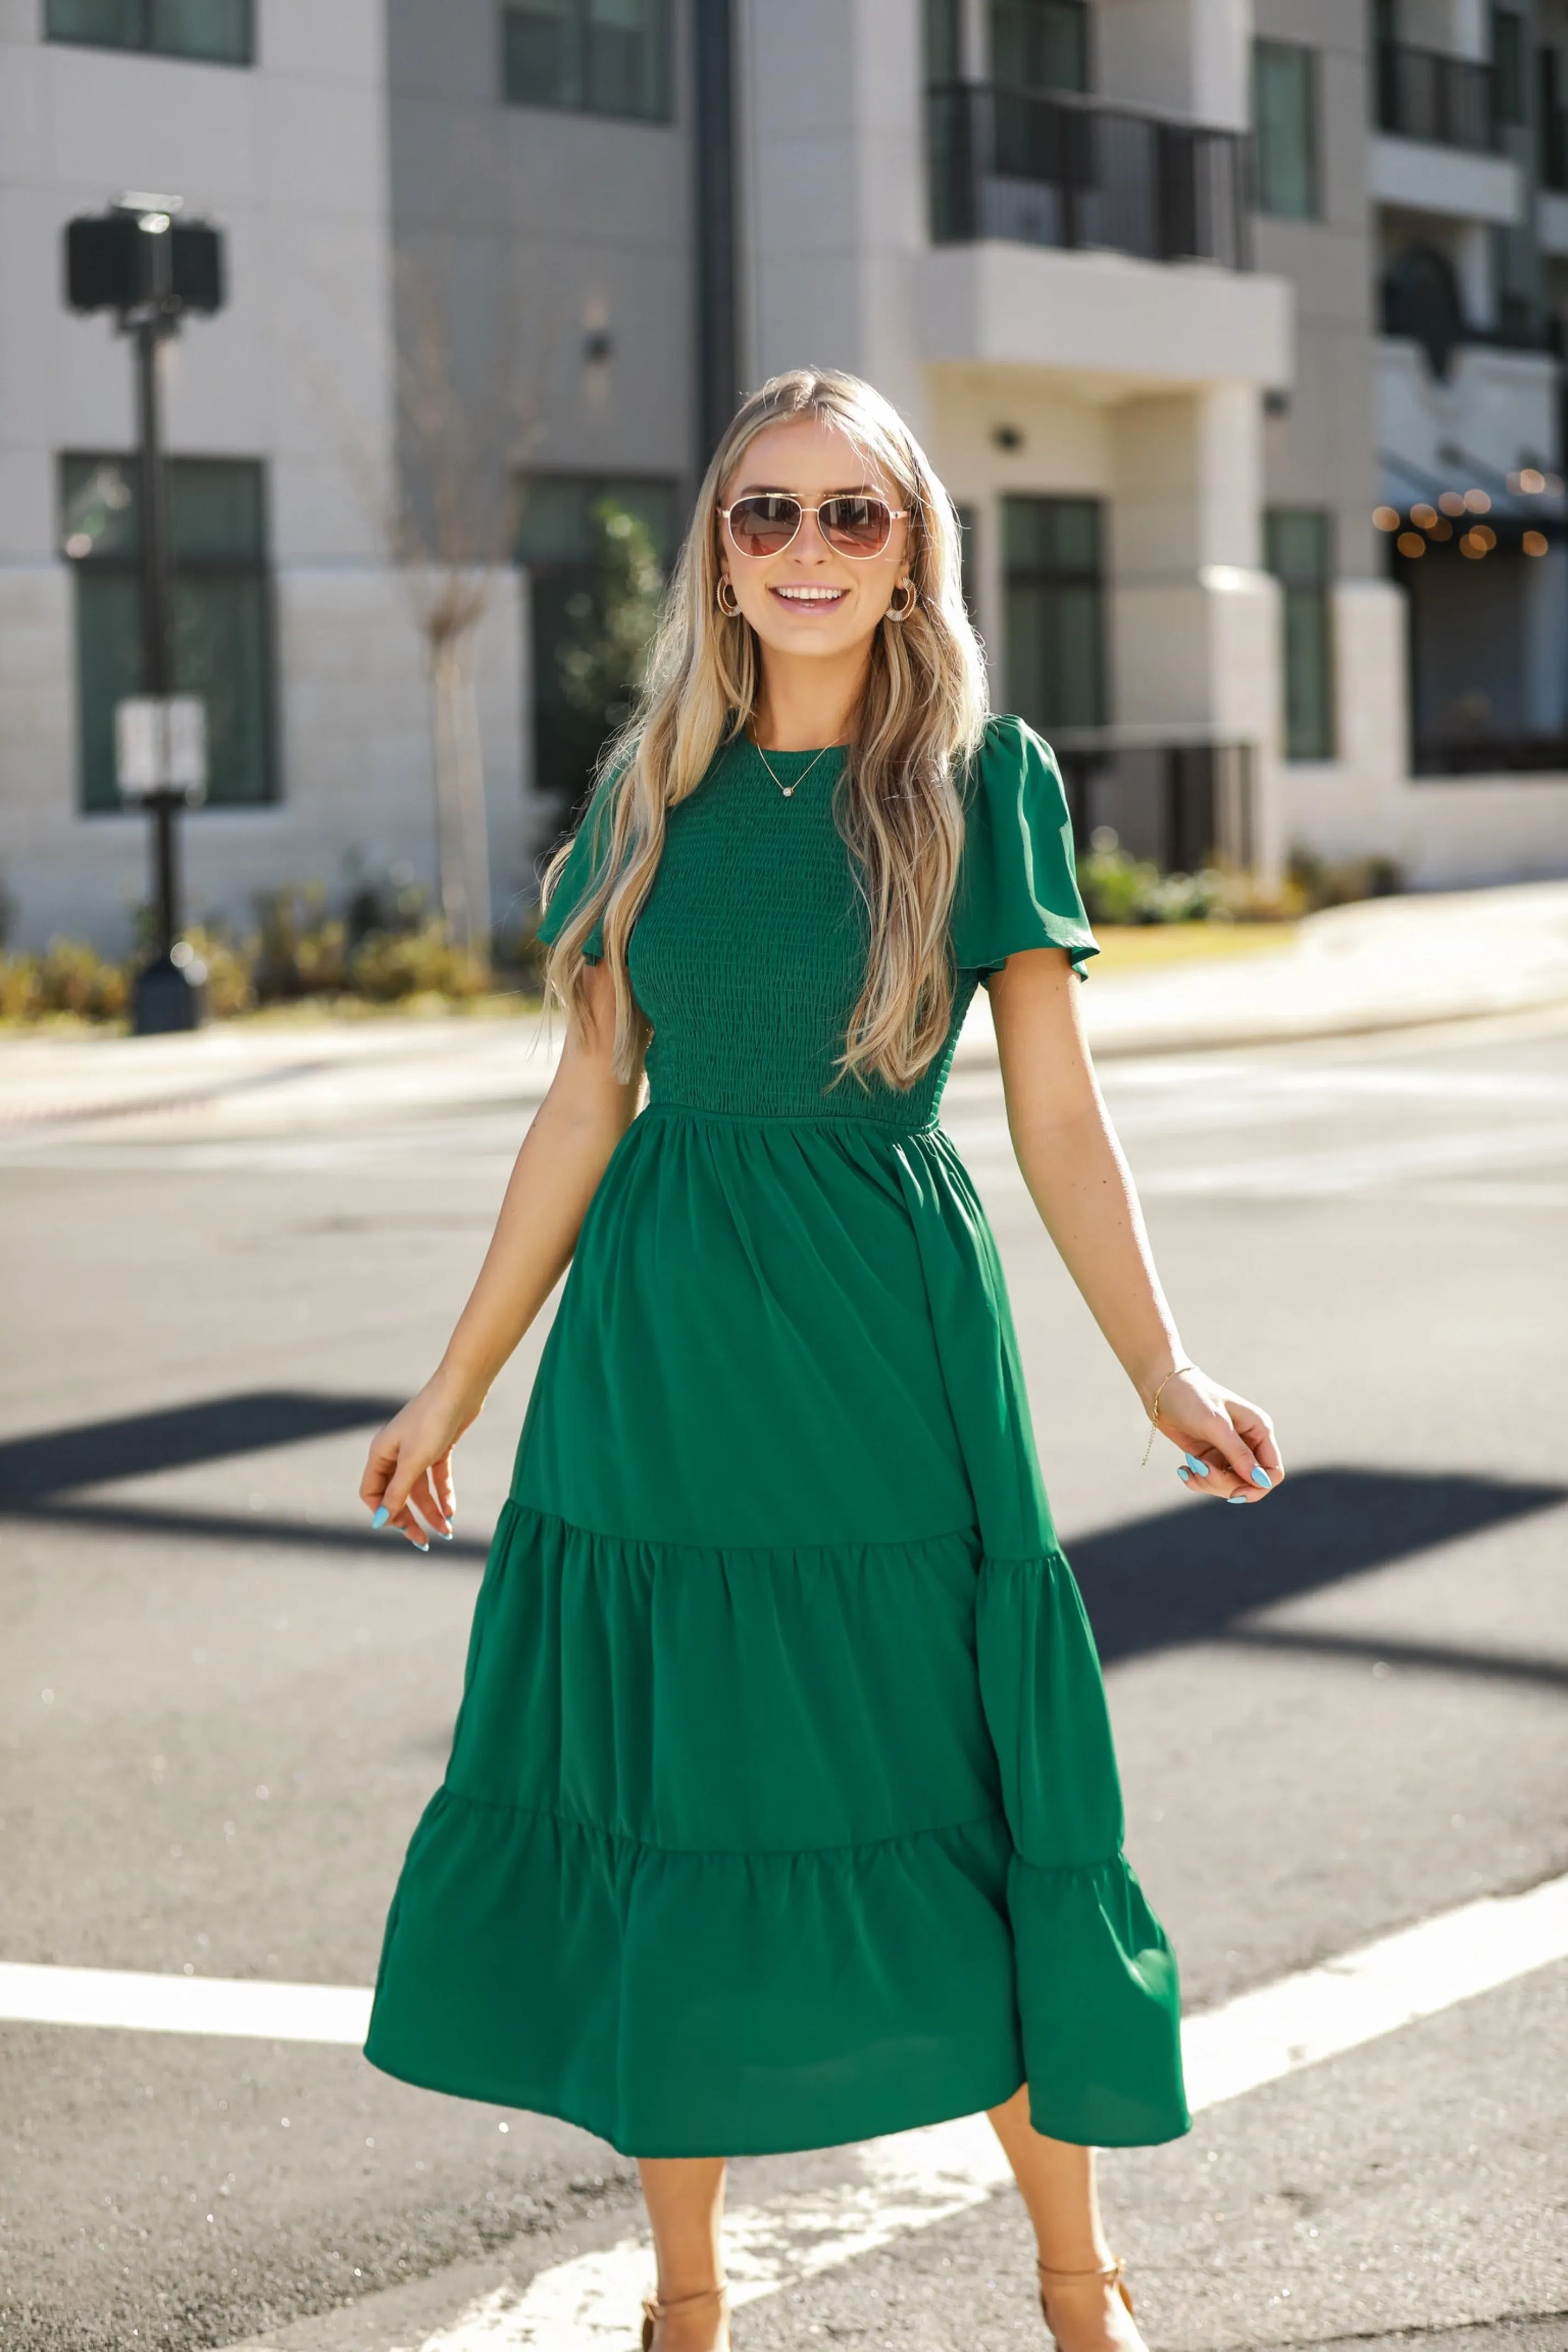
1054,169
1445,101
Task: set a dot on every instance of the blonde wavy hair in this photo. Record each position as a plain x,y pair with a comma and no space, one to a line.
897,804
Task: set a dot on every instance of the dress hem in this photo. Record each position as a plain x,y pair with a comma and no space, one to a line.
915,2119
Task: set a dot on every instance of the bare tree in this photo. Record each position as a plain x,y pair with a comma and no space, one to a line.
469,407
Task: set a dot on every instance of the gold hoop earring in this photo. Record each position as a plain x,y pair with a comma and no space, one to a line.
897,611
731,611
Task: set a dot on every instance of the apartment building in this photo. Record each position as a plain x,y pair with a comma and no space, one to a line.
1430,134
1207,314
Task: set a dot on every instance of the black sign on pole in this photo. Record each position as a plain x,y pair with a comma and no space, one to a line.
141,260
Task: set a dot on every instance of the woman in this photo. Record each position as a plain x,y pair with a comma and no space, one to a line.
782,1810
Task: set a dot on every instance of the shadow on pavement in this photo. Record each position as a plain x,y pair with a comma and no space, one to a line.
1193,1573
136,1444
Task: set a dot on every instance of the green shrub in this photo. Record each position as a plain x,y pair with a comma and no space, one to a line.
1321,883
298,950
390,965
1118,888
230,967
70,976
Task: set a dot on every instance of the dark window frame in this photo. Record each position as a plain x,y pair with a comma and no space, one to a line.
124,567
1310,720
1060,579
1266,185
661,113
145,42
566,779
1508,45
1071,25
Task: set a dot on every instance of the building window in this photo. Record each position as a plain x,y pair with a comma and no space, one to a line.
1510,57
222,613
1285,121
1552,119
1040,44
1053,611
943,42
588,56
597,547
221,32
1300,548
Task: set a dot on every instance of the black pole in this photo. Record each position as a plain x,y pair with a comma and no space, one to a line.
718,355
170,988
157,630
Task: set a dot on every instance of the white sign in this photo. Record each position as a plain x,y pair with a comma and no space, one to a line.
161,746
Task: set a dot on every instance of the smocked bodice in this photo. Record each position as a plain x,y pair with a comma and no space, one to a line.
749,954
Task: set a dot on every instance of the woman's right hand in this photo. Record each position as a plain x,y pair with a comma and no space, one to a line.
407,1482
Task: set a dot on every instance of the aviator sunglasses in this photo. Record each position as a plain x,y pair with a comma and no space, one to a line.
767,523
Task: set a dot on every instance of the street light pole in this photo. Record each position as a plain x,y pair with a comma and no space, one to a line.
157,615
150,268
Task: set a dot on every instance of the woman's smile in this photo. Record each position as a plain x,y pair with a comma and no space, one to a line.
800,597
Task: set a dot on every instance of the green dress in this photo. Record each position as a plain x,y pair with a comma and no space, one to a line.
783,1809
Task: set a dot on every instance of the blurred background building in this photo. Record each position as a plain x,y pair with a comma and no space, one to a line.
1235,331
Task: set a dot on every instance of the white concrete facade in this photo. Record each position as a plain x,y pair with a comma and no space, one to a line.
1185,397
290,156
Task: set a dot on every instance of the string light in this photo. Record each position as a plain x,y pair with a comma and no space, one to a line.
1410,543
1385,517
1534,543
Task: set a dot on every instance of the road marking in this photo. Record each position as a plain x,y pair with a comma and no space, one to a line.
141,2003
908,2180
1311,1175
915,2178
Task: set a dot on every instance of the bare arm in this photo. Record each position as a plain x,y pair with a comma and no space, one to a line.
1080,1183
577,1127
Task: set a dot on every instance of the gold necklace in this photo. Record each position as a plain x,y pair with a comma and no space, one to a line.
789,790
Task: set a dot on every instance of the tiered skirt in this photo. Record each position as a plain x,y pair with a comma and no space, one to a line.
783,1809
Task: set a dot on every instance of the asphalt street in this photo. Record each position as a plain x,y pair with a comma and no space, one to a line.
223,1705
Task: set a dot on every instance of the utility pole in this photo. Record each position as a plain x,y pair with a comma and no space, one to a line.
718,292
141,260
157,600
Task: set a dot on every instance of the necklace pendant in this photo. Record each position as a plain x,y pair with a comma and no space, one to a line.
788,791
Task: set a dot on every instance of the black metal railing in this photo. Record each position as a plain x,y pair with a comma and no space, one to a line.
1426,94
1489,755
1182,803
1051,168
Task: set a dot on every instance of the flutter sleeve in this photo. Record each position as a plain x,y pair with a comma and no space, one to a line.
585,861
1017,886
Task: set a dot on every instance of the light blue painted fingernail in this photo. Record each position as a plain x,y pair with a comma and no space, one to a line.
1236,1498
419,1547
444,1533
1184,1474
380,1516
1199,1469
1260,1476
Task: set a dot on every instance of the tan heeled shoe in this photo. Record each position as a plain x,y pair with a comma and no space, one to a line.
653,2310
1111,2275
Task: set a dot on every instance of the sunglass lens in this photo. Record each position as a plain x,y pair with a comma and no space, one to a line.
856,526
763,526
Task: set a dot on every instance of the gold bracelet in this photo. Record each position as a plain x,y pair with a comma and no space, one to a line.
1154,1408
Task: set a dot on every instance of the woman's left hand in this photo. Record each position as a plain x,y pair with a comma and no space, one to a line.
1226,1445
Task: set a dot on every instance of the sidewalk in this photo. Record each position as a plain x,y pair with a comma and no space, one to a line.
1384,964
